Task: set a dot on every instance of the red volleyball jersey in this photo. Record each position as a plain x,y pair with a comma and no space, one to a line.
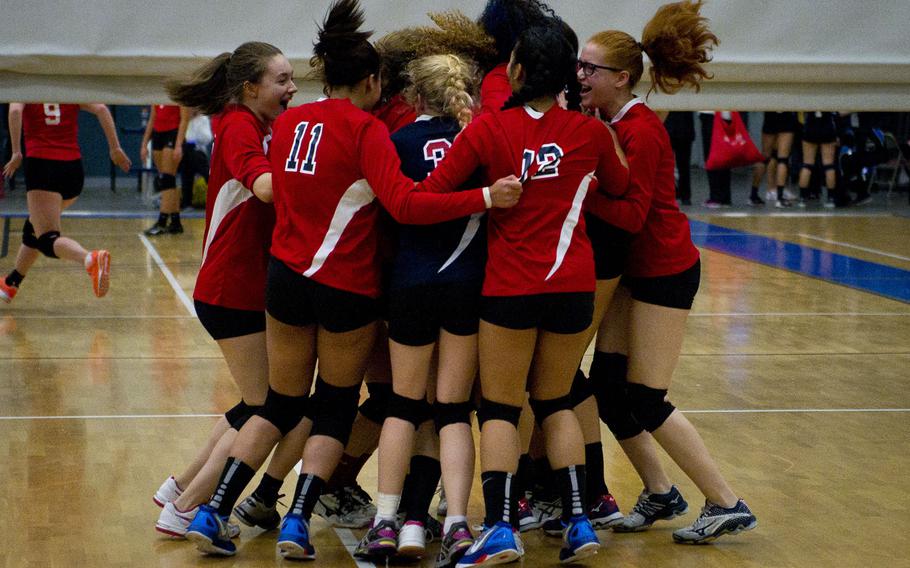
167,117
395,114
238,226
51,131
540,245
663,243
495,89
330,161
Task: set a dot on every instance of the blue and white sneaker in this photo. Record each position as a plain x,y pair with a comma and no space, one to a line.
209,532
580,540
715,521
652,507
294,538
496,545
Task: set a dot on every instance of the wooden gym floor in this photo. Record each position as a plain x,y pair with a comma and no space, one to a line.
799,385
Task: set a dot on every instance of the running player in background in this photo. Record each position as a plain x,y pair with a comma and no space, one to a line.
640,338
53,179
248,89
331,159
434,299
167,130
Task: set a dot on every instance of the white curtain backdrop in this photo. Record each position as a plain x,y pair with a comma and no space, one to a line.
774,54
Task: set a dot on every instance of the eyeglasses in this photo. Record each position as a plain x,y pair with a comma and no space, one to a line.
589,68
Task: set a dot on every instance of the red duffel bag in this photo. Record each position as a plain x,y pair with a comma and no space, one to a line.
731,146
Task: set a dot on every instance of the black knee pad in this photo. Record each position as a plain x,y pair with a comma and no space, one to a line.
165,181
239,413
29,238
46,243
333,410
608,381
408,409
446,413
767,160
283,411
829,167
543,409
650,407
490,410
806,166
581,388
783,159
376,406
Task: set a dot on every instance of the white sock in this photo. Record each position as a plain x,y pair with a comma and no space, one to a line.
451,520
387,506
88,260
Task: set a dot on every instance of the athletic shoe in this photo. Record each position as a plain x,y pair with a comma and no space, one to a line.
756,201
711,204
783,203
454,544
529,518
496,545
653,507
604,513
294,538
253,512
380,541
863,199
548,509
433,529
7,292
209,532
580,540
99,269
412,539
155,230
802,203
174,522
348,507
715,521
175,229
770,195
830,203
168,492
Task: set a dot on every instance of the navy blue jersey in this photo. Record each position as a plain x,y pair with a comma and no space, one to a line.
454,251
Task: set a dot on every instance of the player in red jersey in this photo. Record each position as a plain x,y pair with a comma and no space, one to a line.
53,180
641,336
248,89
166,130
538,292
328,158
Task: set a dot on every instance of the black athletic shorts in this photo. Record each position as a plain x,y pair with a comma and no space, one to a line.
165,139
294,299
225,323
65,177
820,128
417,313
611,247
777,122
565,312
673,291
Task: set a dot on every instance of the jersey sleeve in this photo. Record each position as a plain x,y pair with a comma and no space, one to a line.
630,211
382,169
242,147
494,92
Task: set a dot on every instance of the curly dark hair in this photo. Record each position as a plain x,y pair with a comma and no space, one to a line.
505,20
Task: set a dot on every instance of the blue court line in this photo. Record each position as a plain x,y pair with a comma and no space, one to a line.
887,281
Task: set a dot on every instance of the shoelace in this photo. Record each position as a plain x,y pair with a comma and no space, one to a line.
645,507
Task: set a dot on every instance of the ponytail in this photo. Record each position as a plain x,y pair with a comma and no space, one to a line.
342,54
548,61
446,84
221,80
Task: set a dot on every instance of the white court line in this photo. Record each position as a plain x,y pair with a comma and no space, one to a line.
187,303
110,417
350,542
796,314
718,411
857,247
97,317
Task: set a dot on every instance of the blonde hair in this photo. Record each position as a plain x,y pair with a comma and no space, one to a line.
445,84
677,41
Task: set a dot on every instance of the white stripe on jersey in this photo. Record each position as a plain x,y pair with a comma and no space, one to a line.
469,233
231,196
358,195
568,226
